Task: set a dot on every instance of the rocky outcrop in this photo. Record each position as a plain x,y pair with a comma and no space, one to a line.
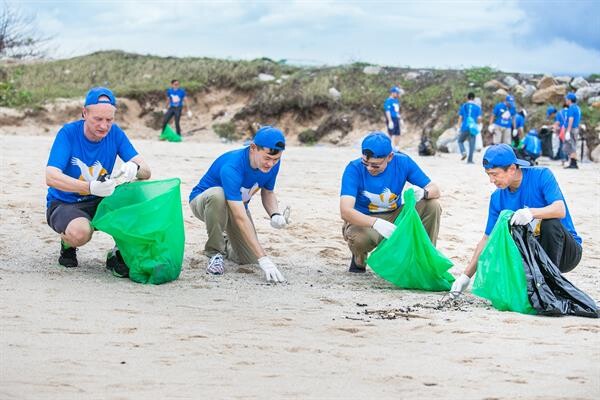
579,83
550,94
494,84
546,82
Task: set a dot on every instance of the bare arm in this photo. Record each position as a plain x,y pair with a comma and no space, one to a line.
57,179
144,171
459,122
433,191
570,124
472,266
242,220
269,201
388,115
353,216
554,210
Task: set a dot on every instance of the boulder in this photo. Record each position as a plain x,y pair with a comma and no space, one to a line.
564,79
510,81
592,100
494,84
334,93
265,77
519,90
371,70
595,154
579,82
529,91
586,92
411,76
501,93
446,142
546,82
551,94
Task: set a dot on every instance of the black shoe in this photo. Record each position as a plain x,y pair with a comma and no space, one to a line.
463,156
68,257
356,268
572,165
116,264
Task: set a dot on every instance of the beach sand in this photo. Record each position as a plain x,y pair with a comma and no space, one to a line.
84,334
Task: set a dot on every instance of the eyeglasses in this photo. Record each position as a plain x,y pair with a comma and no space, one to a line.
372,164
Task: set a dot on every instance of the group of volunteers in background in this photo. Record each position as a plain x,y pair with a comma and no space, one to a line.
80,173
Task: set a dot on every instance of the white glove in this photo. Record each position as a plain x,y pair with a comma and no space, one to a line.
568,135
521,217
189,114
514,133
278,221
491,128
102,189
384,228
128,171
390,124
271,271
459,285
419,193
479,127
164,110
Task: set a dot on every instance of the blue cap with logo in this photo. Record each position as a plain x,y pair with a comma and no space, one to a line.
571,96
501,155
550,110
95,94
270,137
377,143
395,89
532,132
510,99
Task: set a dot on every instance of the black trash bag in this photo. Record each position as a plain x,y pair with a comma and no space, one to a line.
545,136
549,292
426,147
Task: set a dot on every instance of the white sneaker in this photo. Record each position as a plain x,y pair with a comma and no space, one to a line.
216,265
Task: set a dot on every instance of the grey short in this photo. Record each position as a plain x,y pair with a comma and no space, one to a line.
59,214
570,146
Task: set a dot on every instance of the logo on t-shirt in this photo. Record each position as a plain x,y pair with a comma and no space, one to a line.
247,193
382,202
89,174
175,98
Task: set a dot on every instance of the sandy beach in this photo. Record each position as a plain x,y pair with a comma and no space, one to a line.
84,334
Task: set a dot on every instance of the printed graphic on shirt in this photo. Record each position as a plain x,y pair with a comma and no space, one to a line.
382,202
175,98
88,174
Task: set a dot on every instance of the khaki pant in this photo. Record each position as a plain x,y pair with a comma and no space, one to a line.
361,240
502,135
224,236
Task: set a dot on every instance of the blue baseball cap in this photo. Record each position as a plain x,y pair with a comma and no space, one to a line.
550,110
93,97
377,143
532,132
510,99
270,137
395,89
501,155
571,96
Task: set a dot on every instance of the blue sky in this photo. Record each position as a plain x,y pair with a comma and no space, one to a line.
510,35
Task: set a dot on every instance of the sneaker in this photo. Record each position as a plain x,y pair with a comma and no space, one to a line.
356,268
463,156
216,266
68,257
116,264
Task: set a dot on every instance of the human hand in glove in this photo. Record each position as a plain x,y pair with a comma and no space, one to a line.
568,135
102,189
390,124
521,217
459,285
189,114
384,228
491,128
270,269
515,133
278,221
128,171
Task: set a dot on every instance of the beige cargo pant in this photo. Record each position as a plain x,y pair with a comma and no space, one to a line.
502,135
224,235
361,240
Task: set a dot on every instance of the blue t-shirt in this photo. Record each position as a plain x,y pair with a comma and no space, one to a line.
392,105
538,189
519,121
80,158
561,118
383,192
504,115
176,97
232,172
573,112
469,109
532,144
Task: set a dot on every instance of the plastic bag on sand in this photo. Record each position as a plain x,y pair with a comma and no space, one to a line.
169,134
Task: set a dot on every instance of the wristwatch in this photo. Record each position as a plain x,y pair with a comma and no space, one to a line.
425,194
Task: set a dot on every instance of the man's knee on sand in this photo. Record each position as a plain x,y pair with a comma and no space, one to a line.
78,232
212,200
359,241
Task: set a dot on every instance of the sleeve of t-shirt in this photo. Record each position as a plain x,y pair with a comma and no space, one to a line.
550,187
493,213
60,153
125,149
270,184
461,111
415,175
182,93
350,181
231,179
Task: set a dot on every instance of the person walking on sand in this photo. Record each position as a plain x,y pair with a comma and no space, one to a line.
176,101
502,121
572,130
371,193
82,156
221,197
391,107
469,119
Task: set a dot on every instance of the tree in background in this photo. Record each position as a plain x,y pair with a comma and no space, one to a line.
18,37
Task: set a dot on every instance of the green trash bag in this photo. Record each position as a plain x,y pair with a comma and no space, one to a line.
500,275
146,221
169,134
408,259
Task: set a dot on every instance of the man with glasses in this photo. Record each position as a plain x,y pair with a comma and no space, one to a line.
221,199
371,197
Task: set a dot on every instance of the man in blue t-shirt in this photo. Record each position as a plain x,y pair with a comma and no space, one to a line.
502,121
80,172
175,103
469,126
371,197
518,132
391,107
532,193
573,118
221,199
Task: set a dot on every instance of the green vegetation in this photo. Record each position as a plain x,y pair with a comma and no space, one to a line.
227,131
480,75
